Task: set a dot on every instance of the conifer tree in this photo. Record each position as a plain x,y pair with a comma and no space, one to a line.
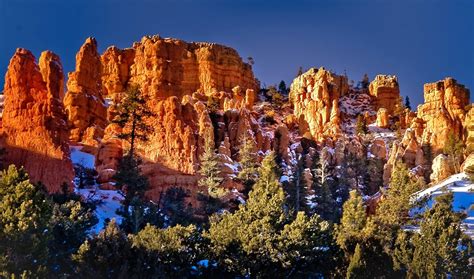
104,256
357,266
132,113
407,103
24,225
393,209
210,170
282,88
440,248
248,161
361,125
261,237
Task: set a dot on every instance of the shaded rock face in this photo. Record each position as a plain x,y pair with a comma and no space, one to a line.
315,97
171,67
442,168
443,112
34,132
84,103
385,90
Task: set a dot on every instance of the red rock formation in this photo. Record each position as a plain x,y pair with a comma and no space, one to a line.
469,126
443,112
84,104
315,97
386,92
382,118
34,130
171,67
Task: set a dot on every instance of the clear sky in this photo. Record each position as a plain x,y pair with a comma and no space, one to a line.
419,40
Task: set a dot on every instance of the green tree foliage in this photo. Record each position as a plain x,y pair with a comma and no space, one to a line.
261,237
300,71
282,88
356,229
165,253
174,205
248,161
132,113
361,125
393,209
104,256
454,149
210,171
24,230
440,248
129,179
84,176
70,221
374,175
407,103
365,82
275,96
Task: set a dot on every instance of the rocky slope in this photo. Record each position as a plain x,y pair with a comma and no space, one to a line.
200,91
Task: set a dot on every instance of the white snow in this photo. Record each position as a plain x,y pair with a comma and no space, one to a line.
108,203
284,178
82,158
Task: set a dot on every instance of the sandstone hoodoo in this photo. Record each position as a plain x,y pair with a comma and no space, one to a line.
34,130
386,92
315,97
444,112
84,103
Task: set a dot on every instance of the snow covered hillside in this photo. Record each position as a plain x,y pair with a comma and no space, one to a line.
463,191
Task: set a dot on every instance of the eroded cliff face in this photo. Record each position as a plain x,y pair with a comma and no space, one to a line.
171,67
315,97
34,132
84,103
444,112
386,92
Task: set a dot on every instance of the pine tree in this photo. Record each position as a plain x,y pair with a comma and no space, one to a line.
365,82
106,255
361,125
129,179
441,248
248,161
210,171
393,209
282,88
407,103
165,253
300,71
132,113
454,148
25,212
357,266
261,237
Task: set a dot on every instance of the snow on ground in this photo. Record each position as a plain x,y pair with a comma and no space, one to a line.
107,201
82,158
463,191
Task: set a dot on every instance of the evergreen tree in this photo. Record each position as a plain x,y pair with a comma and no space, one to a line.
300,71
361,125
24,225
165,253
175,207
104,256
393,209
248,161
69,225
282,88
357,266
454,148
407,103
210,171
440,248
132,113
261,237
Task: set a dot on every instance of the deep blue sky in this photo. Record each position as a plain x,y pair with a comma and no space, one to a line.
419,41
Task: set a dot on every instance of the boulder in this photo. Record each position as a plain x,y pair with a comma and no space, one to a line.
441,168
